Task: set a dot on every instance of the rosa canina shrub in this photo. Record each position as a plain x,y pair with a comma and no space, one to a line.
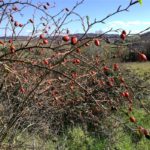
48,82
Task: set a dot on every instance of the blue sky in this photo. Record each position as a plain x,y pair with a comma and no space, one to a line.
137,19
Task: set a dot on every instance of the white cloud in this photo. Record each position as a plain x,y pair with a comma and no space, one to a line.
134,26
121,24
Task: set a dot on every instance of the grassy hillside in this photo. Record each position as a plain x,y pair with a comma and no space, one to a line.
141,69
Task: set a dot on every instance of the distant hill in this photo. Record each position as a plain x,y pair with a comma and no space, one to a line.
77,34
113,37
18,38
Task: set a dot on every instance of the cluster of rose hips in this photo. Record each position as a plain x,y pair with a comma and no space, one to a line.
142,57
74,74
42,37
12,47
46,5
74,40
126,95
132,119
16,23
